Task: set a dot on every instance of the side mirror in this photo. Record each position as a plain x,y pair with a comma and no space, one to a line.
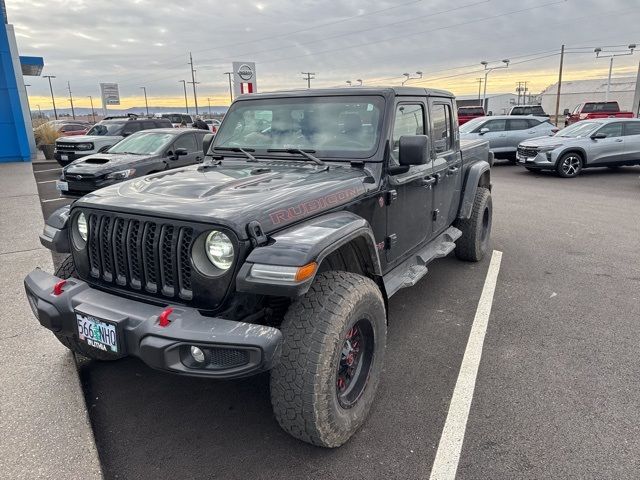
413,150
598,136
180,152
484,130
566,112
104,149
206,142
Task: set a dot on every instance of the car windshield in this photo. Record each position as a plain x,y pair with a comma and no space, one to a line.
143,143
577,130
471,125
337,127
106,128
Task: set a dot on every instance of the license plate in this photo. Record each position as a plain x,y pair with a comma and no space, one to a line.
97,333
64,157
62,186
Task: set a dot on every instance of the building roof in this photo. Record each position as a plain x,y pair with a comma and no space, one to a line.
599,85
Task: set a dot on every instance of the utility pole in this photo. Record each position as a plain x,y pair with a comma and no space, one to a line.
146,104
309,76
480,80
53,100
559,86
73,112
209,103
518,90
228,74
598,50
186,102
93,112
193,81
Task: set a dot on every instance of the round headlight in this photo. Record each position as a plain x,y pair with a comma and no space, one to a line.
82,226
219,249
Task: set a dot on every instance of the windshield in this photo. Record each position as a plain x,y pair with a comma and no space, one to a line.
577,130
106,128
341,127
472,124
143,143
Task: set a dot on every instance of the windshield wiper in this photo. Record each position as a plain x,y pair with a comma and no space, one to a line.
304,153
246,153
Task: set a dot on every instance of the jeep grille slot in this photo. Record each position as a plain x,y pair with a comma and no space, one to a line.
141,255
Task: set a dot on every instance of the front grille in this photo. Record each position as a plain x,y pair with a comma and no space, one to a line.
221,358
527,152
142,255
65,146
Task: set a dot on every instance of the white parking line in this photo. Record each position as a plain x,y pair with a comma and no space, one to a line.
53,200
49,170
445,464
46,181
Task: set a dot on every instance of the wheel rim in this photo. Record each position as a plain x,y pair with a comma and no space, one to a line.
354,364
570,165
486,221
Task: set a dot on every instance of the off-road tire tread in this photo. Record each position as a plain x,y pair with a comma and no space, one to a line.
67,269
311,323
468,245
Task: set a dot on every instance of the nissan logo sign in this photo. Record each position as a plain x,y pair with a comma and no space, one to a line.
245,72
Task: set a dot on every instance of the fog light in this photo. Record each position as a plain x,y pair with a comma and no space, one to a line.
197,354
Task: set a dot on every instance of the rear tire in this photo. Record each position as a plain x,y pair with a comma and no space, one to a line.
67,269
331,362
476,230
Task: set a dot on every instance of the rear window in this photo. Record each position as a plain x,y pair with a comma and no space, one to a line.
632,128
470,111
600,107
107,128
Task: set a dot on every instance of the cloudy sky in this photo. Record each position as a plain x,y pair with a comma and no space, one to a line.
146,43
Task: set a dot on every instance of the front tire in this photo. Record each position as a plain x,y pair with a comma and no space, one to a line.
569,165
331,363
67,269
476,230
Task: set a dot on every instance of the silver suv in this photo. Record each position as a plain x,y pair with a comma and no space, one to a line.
608,142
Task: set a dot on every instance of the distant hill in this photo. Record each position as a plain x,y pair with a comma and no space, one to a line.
215,110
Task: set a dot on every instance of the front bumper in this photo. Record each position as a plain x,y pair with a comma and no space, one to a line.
540,161
257,347
70,155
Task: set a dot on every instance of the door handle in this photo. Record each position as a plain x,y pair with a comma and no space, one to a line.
428,181
198,159
618,140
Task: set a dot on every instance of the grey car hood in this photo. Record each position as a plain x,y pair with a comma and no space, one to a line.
89,138
546,141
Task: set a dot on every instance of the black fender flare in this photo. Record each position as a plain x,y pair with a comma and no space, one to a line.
478,174
301,244
55,236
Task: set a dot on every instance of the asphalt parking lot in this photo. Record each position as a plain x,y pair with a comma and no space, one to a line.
557,393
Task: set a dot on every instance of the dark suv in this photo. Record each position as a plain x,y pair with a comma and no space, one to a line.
279,252
103,135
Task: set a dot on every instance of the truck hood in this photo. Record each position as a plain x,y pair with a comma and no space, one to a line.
90,138
546,141
101,163
275,194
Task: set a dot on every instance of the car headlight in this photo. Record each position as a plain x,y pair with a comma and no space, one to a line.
121,175
84,146
81,224
219,250
548,148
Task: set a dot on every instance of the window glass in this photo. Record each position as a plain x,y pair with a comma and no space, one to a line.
409,121
518,124
131,127
632,128
497,125
143,143
533,122
441,119
186,141
107,128
148,125
516,111
612,130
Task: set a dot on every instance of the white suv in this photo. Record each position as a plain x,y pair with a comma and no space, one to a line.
103,135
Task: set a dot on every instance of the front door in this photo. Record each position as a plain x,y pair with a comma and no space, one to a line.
632,141
447,163
194,150
409,203
609,150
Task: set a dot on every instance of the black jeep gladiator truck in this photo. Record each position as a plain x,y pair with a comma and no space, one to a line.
279,252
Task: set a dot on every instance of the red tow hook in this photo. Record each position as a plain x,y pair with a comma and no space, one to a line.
163,318
58,288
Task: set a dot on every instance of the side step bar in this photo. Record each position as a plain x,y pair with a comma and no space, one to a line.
414,268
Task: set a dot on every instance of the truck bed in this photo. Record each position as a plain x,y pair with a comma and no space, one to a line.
475,150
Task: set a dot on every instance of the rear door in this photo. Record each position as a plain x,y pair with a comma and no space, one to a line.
632,141
447,162
609,150
519,130
409,203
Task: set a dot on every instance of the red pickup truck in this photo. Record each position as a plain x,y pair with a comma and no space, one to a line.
593,110
469,113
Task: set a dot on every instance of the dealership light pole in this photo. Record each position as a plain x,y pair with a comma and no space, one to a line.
228,74
480,80
487,71
359,82
209,104
186,102
409,77
93,112
53,100
73,112
308,76
193,82
598,51
349,83
146,104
